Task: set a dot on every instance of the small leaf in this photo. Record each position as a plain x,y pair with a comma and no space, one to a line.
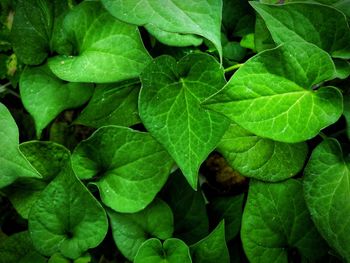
189,209
201,18
301,22
48,158
18,248
131,230
171,251
276,220
273,94
229,209
13,163
261,158
67,218
326,188
211,249
112,104
169,106
128,167
45,96
99,59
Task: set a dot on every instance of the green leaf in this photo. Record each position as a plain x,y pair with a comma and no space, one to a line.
67,218
98,58
301,22
211,249
276,220
131,230
169,106
229,208
273,94
13,163
129,167
112,104
45,96
32,28
347,113
189,209
48,158
326,188
201,18
261,158
18,248
171,251
342,68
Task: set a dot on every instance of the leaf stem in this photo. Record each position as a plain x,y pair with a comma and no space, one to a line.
233,67
4,88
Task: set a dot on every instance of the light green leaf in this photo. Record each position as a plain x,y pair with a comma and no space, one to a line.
301,22
229,208
32,28
275,220
261,158
98,58
201,18
211,249
129,167
112,104
190,214
327,195
18,248
67,218
169,106
48,158
275,94
45,96
171,251
13,163
131,230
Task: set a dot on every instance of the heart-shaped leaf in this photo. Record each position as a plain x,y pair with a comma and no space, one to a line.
171,251
276,221
13,163
326,188
48,158
273,94
301,22
112,104
261,158
67,218
169,106
201,18
129,167
131,230
212,248
99,59
45,96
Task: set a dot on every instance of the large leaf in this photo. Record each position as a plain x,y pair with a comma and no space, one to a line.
276,221
13,163
189,209
129,167
98,58
171,251
32,30
131,230
275,94
327,195
261,158
112,104
18,248
45,96
48,158
211,249
67,218
169,106
201,18
321,25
